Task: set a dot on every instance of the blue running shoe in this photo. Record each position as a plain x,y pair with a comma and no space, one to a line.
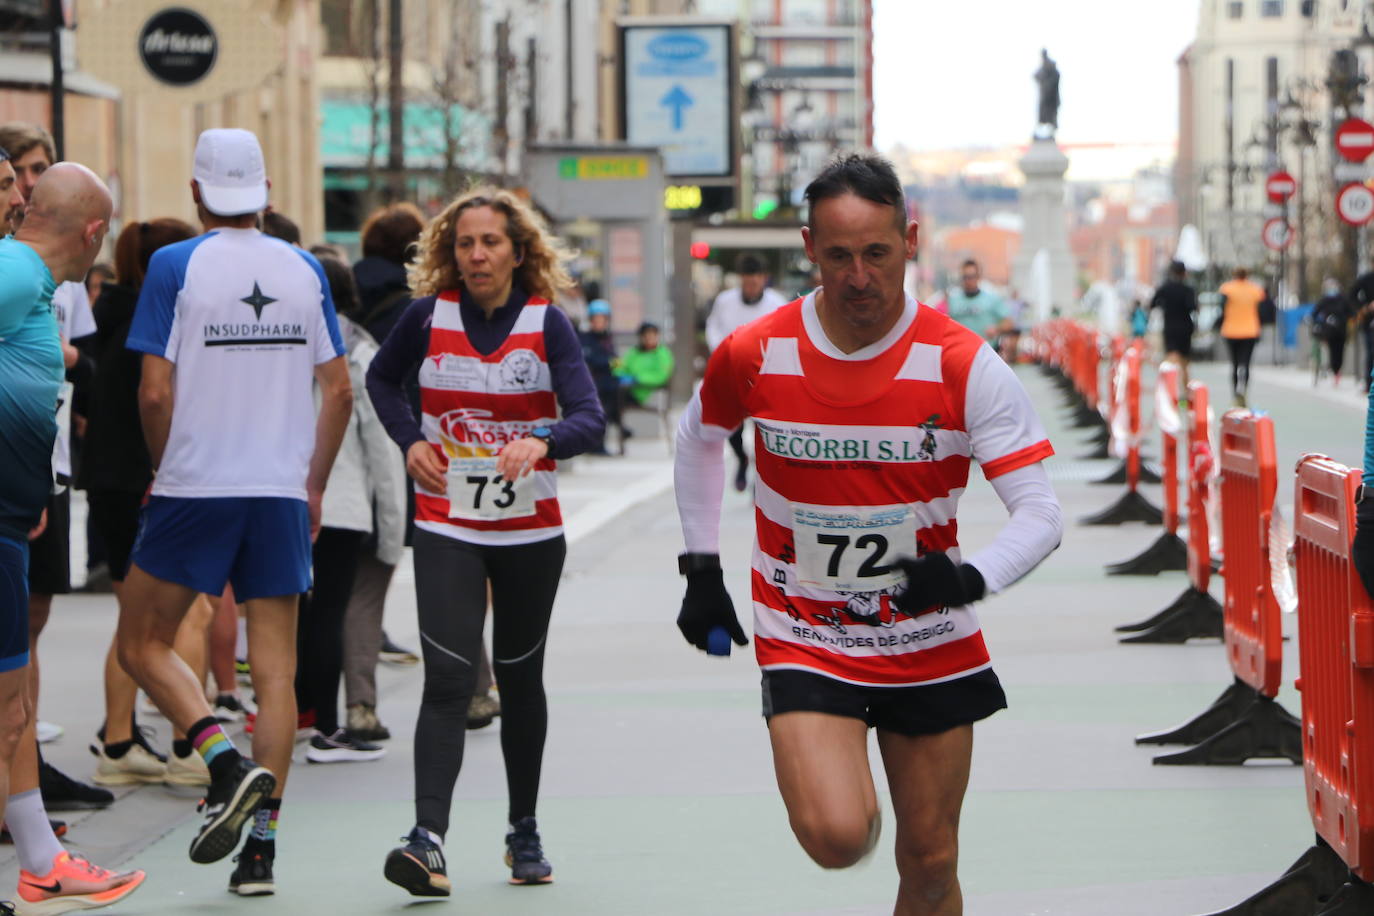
525,856
418,866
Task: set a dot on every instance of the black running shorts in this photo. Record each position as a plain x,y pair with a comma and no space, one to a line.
912,711
1178,340
50,554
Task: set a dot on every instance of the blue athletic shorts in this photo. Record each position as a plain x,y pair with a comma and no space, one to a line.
14,604
260,545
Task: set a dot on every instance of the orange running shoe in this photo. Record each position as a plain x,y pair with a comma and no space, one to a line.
72,884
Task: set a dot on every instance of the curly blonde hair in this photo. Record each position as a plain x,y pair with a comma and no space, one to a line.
541,271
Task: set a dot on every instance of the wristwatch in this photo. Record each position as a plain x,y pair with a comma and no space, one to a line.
544,434
688,563
1361,493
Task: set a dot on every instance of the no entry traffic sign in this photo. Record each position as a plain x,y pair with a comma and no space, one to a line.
1355,204
1277,234
1280,186
1355,139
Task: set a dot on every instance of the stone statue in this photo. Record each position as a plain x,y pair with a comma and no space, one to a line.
1047,77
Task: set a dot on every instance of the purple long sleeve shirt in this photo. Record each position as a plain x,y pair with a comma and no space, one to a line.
584,422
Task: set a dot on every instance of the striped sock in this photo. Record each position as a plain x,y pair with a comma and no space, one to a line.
265,820
213,744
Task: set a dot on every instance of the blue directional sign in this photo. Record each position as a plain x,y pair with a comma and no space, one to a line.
677,95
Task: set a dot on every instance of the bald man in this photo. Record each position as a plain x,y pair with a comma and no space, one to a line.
65,223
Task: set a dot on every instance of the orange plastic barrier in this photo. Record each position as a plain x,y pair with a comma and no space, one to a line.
1249,481
1167,384
1194,613
1336,654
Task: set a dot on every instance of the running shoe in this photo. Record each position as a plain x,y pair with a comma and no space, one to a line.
136,766
252,875
483,710
341,747
6,908
525,855
48,732
187,771
229,708
393,654
141,736
72,884
363,723
62,793
418,866
59,828
228,805
243,672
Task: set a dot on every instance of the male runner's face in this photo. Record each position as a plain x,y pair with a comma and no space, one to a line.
28,168
971,276
861,251
12,199
751,286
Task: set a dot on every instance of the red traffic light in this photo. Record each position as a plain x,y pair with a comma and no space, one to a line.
700,250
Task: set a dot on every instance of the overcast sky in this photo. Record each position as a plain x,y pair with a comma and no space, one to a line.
956,74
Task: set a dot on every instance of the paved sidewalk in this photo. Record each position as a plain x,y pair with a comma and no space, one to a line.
658,795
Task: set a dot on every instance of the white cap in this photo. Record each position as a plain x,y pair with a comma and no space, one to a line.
230,172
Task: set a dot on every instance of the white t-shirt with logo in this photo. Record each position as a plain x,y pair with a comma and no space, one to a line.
245,318
72,306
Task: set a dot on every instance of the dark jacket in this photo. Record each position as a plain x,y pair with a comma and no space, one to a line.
116,453
598,350
383,294
1333,312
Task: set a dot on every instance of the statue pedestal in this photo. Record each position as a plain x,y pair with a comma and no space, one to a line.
1044,229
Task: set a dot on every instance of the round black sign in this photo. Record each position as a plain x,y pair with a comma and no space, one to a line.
178,46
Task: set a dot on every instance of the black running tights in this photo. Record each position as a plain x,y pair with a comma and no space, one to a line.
1242,349
319,628
450,588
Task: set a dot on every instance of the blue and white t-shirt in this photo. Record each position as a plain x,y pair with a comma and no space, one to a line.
245,318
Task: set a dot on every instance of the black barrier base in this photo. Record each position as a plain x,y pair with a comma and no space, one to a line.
1309,884
1098,443
1151,622
1194,615
1085,416
1119,474
1265,729
1167,554
1097,454
1354,899
1224,710
1131,507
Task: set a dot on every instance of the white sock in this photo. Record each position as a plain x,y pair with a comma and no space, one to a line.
433,837
241,639
34,841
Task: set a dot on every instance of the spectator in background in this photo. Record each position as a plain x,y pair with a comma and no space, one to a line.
980,310
646,367
115,485
732,309
1240,328
598,349
1178,301
388,238
280,227
96,278
1140,320
1362,301
1330,321
367,481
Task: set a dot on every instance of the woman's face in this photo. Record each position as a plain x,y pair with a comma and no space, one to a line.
485,254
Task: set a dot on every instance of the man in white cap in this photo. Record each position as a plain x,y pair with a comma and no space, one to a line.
234,327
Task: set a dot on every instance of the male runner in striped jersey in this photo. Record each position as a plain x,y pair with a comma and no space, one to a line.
868,409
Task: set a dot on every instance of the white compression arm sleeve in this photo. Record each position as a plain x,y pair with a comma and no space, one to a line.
699,479
1031,534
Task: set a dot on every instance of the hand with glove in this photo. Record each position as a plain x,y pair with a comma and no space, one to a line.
707,604
934,581
1362,551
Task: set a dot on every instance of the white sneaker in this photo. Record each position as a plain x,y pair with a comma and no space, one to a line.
187,771
230,707
341,747
136,767
48,731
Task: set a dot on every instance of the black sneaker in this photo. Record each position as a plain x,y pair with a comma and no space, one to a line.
62,793
525,856
393,654
418,866
227,806
252,875
341,747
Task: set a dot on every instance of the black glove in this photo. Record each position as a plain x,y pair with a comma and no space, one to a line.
933,582
707,604
1362,551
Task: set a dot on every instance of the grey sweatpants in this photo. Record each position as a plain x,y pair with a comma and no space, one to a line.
363,628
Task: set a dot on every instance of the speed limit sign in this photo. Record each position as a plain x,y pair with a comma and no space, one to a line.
1355,204
1277,234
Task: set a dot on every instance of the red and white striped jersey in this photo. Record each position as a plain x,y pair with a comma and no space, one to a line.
470,406
861,458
